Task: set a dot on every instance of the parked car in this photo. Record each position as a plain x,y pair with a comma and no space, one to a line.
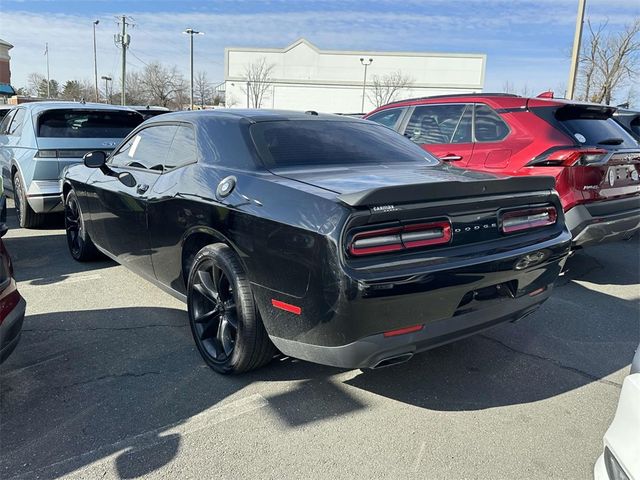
596,163
12,305
37,140
332,238
621,457
149,110
629,119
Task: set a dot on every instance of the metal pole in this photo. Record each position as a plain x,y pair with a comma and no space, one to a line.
364,82
575,54
95,60
106,91
46,50
124,59
191,42
248,85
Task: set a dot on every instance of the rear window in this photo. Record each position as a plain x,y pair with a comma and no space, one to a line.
326,142
65,123
601,132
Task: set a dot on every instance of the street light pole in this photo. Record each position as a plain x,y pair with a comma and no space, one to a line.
191,32
95,60
364,82
575,54
106,88
248,86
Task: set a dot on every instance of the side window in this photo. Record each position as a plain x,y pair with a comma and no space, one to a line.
183,150
15,128
388,118
439,124
489,127
4,126
147,149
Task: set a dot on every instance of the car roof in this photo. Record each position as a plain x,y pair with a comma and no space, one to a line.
37,107
496,100
146,108
251,115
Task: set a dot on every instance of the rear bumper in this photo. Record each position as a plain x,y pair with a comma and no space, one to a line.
377,350
11,326
45,196
604,221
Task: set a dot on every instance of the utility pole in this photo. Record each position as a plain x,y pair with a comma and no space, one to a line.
364,82
106,88
575,54
123,40
46,52
191,32
95,60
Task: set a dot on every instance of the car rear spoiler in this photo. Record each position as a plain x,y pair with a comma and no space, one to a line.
421,192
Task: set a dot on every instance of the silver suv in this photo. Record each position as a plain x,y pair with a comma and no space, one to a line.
38,140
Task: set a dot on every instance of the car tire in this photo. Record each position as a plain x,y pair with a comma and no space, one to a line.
224,320
80,245
27,218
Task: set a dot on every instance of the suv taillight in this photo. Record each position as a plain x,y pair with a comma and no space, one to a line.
383,240
570,156
519,220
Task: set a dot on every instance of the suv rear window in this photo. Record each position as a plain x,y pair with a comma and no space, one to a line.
326,142
603,132
68,123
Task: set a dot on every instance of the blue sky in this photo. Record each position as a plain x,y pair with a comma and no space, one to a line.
527,42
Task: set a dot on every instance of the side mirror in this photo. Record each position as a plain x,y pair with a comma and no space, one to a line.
96,159
127,179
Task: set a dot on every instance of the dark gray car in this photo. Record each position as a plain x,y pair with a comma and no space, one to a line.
38,140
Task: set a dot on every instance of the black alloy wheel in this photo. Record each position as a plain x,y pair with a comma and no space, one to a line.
80,245
225,323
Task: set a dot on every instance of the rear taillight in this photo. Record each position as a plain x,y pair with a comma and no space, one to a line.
570,156
47,154
519,220
403,237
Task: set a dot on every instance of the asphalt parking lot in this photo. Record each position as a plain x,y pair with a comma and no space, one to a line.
107,383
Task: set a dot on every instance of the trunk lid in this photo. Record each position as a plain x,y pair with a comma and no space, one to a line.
375,185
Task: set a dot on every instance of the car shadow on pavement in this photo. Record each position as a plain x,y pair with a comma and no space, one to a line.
85,385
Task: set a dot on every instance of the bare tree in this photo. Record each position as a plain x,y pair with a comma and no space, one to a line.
508,87
34,81
162,85
202,90
136,91
258,81
608,61
387,88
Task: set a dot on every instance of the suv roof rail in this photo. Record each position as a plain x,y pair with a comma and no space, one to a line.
456,95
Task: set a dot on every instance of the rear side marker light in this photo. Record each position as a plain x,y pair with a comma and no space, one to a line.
400,238
47,154
402,331
519,220
287,307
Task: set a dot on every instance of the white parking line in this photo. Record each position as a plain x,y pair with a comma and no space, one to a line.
201,421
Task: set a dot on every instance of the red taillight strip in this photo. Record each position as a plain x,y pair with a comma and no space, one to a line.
287,307
402,331
569,156
399,238
530,218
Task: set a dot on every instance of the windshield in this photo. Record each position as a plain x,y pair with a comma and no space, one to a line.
328,142
68,123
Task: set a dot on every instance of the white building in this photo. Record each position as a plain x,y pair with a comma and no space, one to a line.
304,77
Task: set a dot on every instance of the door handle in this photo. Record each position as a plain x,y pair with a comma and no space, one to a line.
451,157
142,188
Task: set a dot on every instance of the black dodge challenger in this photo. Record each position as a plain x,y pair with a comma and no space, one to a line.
332,239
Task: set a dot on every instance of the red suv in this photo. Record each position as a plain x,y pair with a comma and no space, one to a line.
595,161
